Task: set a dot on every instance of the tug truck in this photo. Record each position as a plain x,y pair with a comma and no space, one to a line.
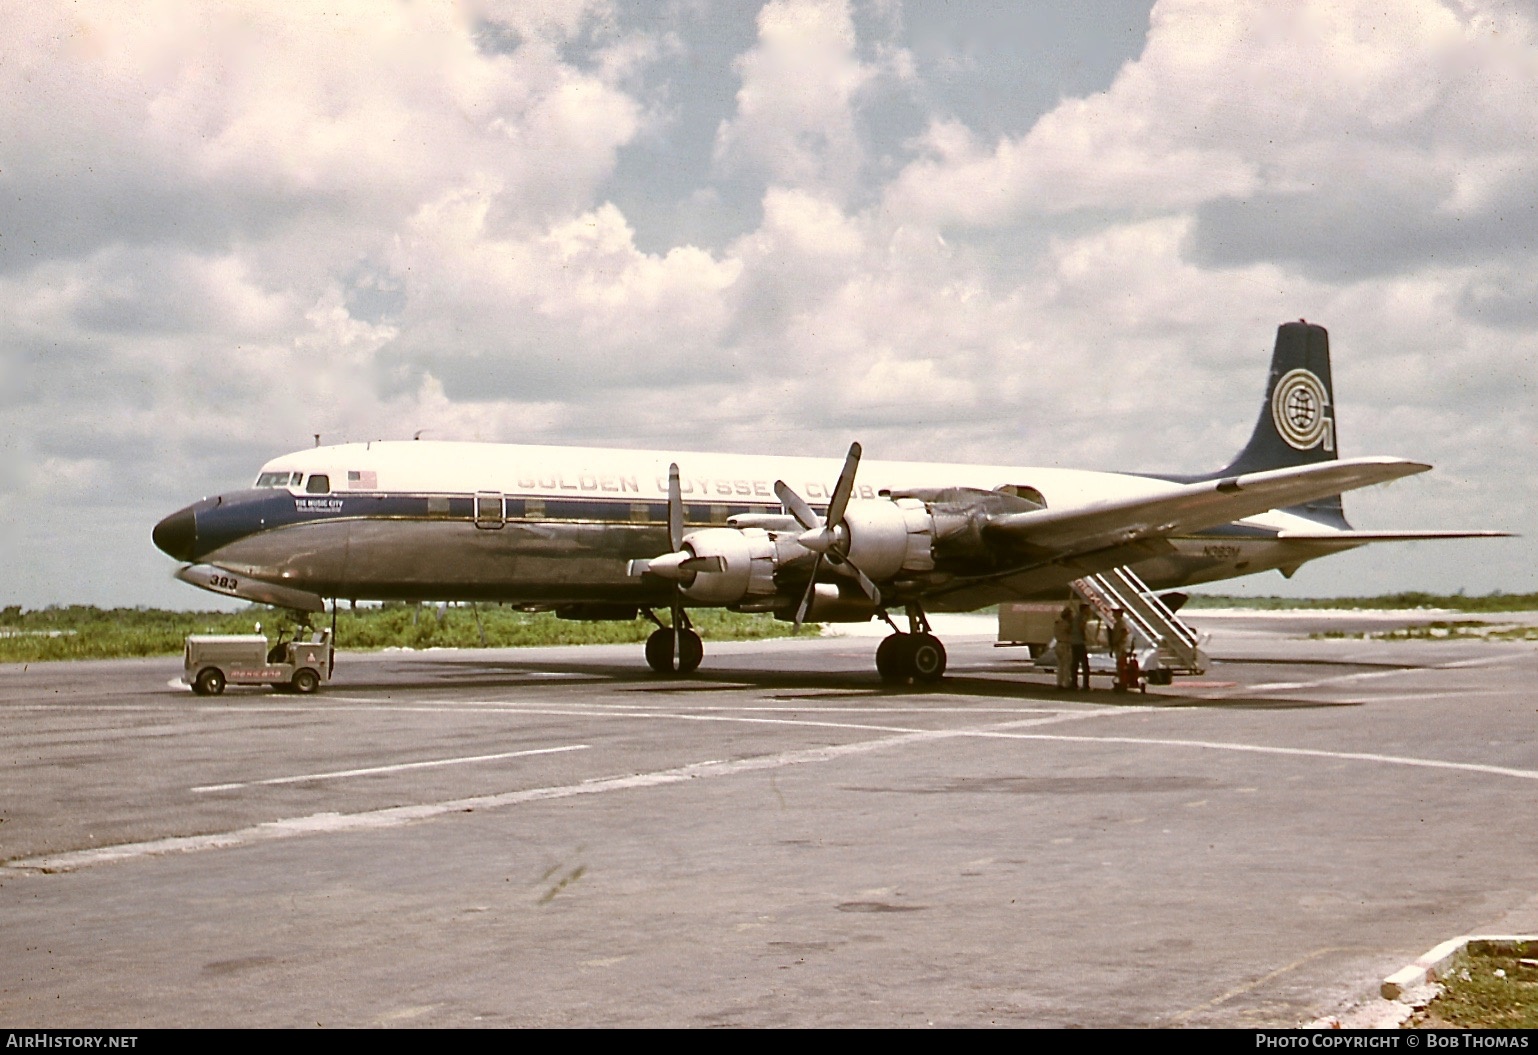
212,661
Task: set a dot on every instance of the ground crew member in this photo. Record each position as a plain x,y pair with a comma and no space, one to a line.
1062,633
1120,640
1080,641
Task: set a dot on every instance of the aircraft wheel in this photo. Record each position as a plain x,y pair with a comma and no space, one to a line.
209,682
890,662
659,651
691,651
305,681
926,657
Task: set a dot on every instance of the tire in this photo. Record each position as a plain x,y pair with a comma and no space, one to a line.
659,652
889,658
209,682
305,681
926,658
1160,677
691,652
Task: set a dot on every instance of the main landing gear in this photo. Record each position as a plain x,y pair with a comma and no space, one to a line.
666,654
916,655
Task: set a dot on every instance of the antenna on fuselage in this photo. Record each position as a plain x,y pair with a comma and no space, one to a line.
418,434
317,438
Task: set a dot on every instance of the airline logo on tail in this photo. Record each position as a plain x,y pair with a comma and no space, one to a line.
1300,409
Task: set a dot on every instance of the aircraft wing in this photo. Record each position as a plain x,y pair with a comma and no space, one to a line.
1188,508
1357,538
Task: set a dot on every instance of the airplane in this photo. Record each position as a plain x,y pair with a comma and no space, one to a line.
604,533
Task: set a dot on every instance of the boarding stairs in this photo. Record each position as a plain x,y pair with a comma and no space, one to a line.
1163,644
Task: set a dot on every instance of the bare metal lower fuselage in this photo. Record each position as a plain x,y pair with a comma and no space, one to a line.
565,563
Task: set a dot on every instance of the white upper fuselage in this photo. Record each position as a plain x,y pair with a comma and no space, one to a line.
438,467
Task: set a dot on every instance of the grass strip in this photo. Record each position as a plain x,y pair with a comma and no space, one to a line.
84,632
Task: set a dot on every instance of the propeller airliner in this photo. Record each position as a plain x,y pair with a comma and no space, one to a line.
604,533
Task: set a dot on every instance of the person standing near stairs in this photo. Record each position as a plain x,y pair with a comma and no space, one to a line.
1062,645
1079,638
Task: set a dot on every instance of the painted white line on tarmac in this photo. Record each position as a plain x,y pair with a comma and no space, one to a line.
336,823
398,767
1461,694
1302,752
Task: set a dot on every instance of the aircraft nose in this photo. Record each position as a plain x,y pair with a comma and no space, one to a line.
177,534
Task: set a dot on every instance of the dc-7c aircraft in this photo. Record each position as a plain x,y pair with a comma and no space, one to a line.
606,534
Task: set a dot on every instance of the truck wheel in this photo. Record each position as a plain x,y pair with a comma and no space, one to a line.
209,682
305,681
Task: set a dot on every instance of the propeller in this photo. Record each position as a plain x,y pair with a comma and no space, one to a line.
675,548
678,565
827,537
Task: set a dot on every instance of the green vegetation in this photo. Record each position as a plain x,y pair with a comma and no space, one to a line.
83,632
1444,630
1492,602
1493,985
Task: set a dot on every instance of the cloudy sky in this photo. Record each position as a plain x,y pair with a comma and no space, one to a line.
1035,233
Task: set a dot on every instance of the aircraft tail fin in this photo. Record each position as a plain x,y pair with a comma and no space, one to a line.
1297,418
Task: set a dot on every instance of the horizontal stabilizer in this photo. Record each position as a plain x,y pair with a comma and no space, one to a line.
1189,507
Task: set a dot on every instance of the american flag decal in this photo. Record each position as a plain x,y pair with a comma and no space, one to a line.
362,481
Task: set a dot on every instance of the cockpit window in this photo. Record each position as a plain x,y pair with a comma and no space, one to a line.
319,484
283,479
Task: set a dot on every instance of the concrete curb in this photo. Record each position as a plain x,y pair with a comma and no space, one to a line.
1414,986
1432,965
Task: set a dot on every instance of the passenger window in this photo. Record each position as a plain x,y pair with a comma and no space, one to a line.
319,484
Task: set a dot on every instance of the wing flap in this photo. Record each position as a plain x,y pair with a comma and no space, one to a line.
1189,507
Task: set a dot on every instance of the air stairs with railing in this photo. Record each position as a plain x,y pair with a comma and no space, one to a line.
1164,645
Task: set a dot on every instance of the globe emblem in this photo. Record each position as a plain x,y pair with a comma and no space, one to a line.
1298,409
1302,409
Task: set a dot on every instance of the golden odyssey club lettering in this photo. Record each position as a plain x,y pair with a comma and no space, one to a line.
699,486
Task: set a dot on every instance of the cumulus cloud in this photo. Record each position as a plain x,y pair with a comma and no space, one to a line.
802,86
1326,135
230,227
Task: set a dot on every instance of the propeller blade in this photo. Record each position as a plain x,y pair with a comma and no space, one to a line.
698,564
797,506
806,598
865,584
845,487
675,510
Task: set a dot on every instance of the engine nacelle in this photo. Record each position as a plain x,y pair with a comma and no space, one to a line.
748,558
830,604
888,537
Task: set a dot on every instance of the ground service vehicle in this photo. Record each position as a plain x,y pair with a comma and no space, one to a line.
212,661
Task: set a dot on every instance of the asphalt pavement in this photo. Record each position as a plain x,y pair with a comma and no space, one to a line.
556,837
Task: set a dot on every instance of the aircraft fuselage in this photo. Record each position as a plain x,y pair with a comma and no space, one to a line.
558,526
